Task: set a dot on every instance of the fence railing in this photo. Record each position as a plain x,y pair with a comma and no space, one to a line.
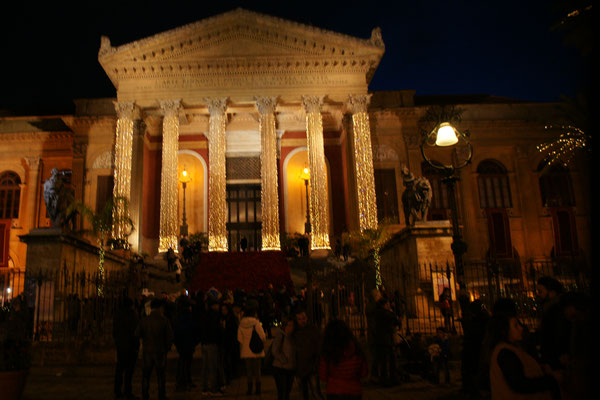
417,292
62,305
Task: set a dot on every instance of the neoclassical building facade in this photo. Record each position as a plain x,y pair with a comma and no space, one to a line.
244,103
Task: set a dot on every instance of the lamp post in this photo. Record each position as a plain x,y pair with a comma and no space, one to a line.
305,176
184,179
446,136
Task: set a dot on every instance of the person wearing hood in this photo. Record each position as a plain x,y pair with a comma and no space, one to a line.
283,350
248,324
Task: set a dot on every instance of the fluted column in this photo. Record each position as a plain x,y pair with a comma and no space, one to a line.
217,185
268,173
122,173
363,162
319,203
33,184
168,175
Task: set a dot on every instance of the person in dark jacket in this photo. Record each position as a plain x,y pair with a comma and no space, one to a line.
211,336
385,326
308,340
127,343
157,337
186,338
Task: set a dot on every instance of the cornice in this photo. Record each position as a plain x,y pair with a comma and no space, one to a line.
187,49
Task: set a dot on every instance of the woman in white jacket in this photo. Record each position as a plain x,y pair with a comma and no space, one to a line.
253,361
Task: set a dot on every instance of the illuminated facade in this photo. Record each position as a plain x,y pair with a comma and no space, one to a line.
245,102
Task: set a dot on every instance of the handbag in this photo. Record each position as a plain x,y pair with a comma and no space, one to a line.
256,343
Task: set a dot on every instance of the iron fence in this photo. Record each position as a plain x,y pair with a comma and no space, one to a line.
63,304
416,292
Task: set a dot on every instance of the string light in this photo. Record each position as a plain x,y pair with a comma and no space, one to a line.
268,173
217,218
363,155
319,204
122,171
563,149
168,183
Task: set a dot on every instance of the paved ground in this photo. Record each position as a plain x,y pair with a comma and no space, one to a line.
95,383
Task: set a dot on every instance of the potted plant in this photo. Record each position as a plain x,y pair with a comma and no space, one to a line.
15,350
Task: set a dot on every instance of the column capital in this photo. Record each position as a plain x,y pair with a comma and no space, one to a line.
312,104
358,102
170,107
216,105
266,104
126,109
33,163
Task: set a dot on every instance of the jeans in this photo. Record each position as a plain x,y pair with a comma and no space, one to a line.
184,369
310,387
284,380
152,361
124,371
212,379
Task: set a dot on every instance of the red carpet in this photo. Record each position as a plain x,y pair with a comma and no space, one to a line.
235,270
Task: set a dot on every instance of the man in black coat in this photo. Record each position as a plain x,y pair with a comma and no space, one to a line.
385,326
308,346
127,343
157,337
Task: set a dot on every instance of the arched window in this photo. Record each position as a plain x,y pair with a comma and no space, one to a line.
495,199
439,208
556,190
10,195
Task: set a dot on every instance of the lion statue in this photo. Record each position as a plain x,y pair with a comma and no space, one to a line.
416,197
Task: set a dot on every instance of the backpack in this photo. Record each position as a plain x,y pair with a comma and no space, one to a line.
256,343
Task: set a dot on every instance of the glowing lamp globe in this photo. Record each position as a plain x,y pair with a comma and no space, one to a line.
446,135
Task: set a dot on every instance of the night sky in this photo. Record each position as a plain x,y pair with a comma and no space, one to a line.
503,48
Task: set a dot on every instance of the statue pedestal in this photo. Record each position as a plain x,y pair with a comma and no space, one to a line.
49,249
416,262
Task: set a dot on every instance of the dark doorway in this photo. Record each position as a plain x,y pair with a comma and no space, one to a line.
244,216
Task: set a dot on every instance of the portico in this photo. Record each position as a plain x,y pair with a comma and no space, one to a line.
244,86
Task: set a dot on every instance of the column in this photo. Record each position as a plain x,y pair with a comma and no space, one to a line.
363,161
33,188
319,203
122,173
217,185
168,176
268,173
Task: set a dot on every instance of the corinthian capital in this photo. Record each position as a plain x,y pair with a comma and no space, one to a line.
125,109
266,104
358,103
170,107
312,104
216,106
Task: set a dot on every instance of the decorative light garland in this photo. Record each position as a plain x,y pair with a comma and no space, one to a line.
217,184
319,204
363,157
168,178
268,173
563,149
122,171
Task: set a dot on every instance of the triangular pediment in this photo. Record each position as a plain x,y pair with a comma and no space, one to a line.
238,36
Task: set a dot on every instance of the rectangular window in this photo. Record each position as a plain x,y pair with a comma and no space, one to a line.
387,195
104,191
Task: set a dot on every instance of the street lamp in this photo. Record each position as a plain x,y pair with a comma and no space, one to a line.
305,176
184,179
447,137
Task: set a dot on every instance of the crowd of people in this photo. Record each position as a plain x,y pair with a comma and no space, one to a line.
227,327
503,359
